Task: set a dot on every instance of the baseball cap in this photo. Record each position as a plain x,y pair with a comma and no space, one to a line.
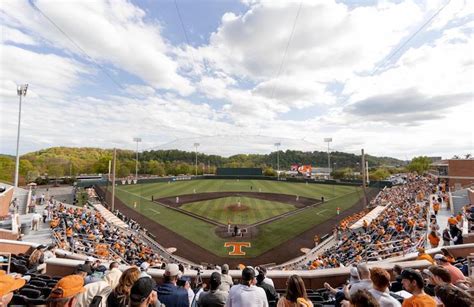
248,274
84,268
440,257
172,269
9,284
141,289
68,286
225,268
144,266
215,278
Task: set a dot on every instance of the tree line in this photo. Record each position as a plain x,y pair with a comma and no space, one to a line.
67,161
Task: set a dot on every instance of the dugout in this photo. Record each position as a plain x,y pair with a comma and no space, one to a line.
241,171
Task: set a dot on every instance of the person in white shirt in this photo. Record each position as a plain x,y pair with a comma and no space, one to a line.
380,283
35,219
50,252
247,294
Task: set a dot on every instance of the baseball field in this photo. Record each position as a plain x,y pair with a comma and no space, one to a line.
269,212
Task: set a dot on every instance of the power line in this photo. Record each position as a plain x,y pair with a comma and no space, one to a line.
286,49
91,59
410,38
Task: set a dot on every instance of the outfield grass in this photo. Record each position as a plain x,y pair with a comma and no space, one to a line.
218,209
270,235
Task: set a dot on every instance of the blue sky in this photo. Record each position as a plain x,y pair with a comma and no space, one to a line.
393,77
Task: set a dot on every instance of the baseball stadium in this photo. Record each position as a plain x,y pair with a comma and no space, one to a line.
237,153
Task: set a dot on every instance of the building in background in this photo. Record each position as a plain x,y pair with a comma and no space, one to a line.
458,173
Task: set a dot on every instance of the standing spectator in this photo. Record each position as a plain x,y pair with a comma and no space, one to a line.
381,281
456,234
214,297
295,293
247,294
35,219
65,291
413,282
446,237
45,214
120,295
433,238
272,295
436,207
266,280
226,279
169,293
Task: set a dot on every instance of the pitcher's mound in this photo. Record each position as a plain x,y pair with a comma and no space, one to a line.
237,208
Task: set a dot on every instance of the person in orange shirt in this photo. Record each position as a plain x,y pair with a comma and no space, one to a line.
424,256
436,208
412,282
434,239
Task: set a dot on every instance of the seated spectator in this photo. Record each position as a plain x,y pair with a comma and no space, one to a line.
113,275
361,298
413,282
247,294
215,296
422,255
457,277
226,279
453,296
8,284
365,282
381,280
397,284
94,289
272,295
295,294
120,294
144,269
142,293
50,252
169,293
65,291
36,260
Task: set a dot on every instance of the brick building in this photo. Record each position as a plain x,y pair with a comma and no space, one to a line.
459,173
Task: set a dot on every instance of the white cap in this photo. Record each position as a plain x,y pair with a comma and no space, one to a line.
144,266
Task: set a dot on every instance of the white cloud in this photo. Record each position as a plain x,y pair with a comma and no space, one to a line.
11,35
110,32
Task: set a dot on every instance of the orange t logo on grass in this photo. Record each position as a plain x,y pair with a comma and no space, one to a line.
237,248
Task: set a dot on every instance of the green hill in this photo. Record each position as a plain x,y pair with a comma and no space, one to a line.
71,161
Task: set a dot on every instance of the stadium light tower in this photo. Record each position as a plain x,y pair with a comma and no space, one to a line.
278,159
196,145
138,140
21,91
328,140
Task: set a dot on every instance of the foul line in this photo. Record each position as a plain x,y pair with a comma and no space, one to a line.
322,211
157,212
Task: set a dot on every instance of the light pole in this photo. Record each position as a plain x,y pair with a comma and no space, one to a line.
138,140
328,140
278,159
21,91
196,145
